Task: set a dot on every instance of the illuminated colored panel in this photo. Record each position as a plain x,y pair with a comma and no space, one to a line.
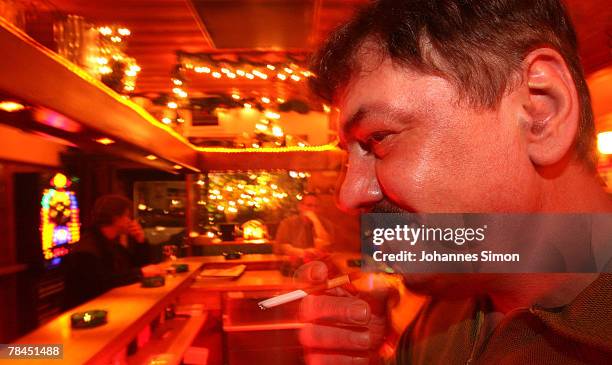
60,223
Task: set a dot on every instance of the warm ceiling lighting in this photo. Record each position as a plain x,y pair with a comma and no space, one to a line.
172,105
105,141
105,30
272,115
11,106
151,157
604,143
277,131
177,167
235,96
265,100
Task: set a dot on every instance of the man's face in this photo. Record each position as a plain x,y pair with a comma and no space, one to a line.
123,222
414,146
309,204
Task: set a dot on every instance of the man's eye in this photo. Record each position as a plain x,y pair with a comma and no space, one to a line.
374,140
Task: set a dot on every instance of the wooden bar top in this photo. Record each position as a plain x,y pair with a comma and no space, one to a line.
249,280
130,308
245,259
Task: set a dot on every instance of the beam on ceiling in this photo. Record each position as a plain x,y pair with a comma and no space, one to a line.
200,23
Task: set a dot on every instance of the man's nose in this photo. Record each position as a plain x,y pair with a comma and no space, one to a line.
359,188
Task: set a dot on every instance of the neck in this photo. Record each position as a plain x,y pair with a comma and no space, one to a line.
573,190
109,232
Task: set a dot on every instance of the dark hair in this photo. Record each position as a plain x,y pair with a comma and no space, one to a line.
478,45
107,208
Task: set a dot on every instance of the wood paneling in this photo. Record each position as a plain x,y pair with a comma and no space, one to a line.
161,27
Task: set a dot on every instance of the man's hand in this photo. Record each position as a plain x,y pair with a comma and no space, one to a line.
342,328
136,232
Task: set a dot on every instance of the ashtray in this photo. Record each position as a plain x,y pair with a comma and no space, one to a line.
88,319
181,267
153,281
232,255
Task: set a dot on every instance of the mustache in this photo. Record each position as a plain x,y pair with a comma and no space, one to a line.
385,206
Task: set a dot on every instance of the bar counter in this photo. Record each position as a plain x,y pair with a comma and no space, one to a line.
132,308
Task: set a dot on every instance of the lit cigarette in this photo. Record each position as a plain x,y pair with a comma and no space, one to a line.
299,294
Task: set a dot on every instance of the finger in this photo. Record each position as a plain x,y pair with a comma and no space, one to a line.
312,272
339,291
341,310
335,338
335,359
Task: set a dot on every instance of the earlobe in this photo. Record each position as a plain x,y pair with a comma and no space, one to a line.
552,107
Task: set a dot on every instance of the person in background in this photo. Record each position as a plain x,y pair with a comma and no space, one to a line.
112,252
464,106
306,234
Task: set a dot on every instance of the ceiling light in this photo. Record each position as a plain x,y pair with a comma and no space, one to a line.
272,115
105,141
151,157
604,143
11,106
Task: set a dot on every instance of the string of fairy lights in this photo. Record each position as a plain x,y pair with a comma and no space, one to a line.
112,46
224,196
196,65
105,59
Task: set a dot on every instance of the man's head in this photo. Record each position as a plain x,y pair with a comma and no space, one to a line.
309,203
457,106
112,211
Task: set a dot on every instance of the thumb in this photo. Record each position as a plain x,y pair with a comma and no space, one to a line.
312,272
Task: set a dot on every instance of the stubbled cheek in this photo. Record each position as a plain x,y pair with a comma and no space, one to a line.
407,183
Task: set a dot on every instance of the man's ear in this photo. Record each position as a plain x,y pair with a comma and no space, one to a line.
552,107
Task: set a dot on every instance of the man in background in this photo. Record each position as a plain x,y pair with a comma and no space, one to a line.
464,106
112,252
306,234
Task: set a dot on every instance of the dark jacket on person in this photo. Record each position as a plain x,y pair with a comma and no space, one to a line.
97,264
451,332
